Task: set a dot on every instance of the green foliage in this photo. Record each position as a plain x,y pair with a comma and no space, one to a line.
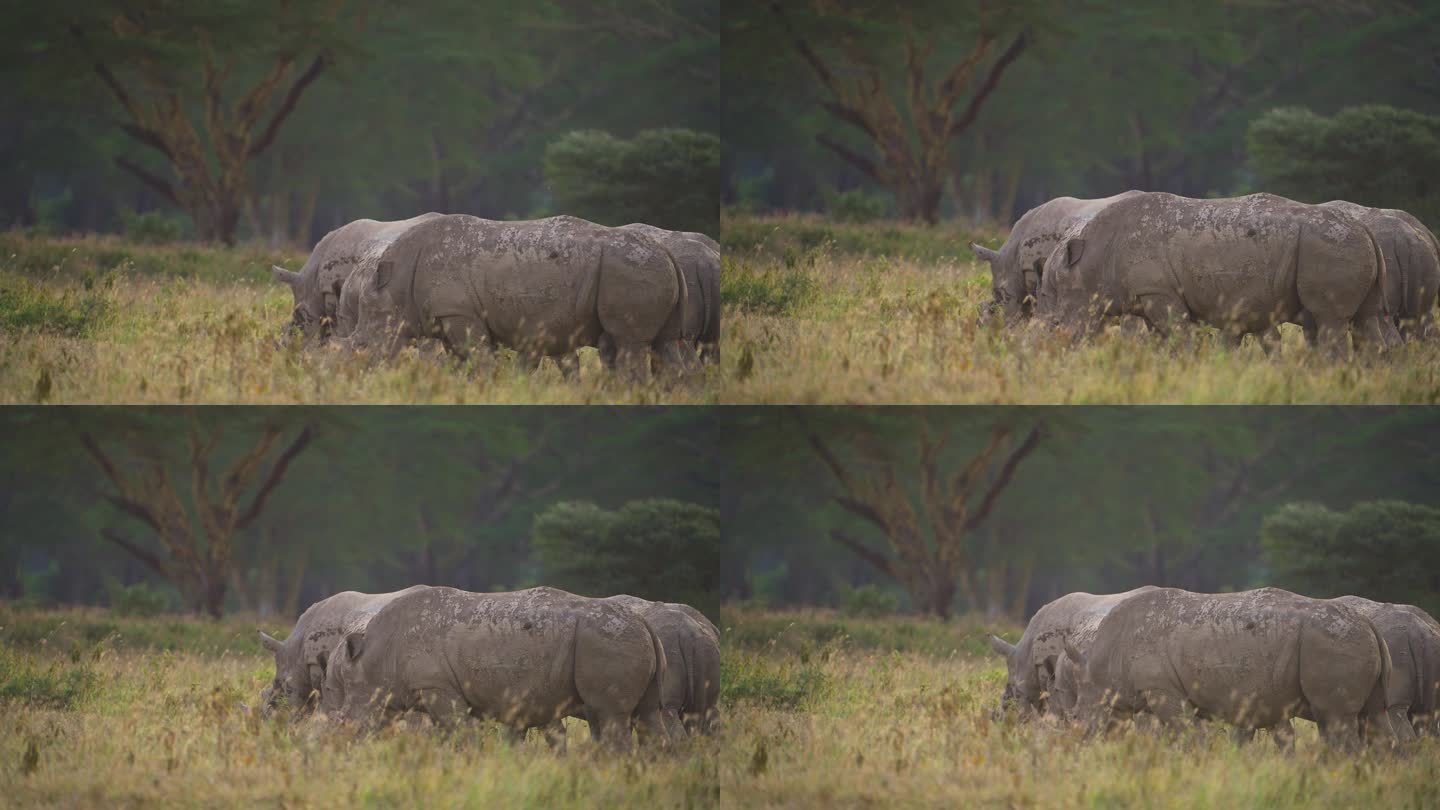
140,599
856,205
666,177
37,587
26,306
755,679
804,632
773,292
151,227
1388,551
659,549
1373,155
868,601
59,685
794,236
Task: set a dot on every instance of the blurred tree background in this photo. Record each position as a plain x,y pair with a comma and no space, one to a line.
278,121
1000,510
269,509
982,110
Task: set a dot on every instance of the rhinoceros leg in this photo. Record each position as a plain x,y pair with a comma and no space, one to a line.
555,736
1170,709
1163,312
445,706
569,364
464,334
1332,336
1270,340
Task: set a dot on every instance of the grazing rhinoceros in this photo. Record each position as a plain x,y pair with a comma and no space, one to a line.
300,659
1412,265
1414,643
1254,659
1030,665
691,692
699,259
1243,264
317,286
543,287
525,658
1016,267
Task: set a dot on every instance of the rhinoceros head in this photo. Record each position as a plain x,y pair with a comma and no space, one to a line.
343,693
313,317
294,684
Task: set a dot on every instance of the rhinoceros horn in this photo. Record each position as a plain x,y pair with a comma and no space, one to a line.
1001,646
985,253
270,642
287,276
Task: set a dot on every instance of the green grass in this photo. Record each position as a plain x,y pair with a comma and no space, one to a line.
846,724
101,320
151,716
819,312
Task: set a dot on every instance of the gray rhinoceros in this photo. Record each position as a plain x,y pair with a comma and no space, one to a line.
1254,659
300,659
1030,664
1414,643
525,658
1243,264
699,259
317,286
1016,267
1412,265
543,287
690,693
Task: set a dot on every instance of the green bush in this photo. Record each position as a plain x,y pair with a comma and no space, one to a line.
772,292
1383,550
57,686
29,307
781,686
869,601
139,599
856,205
669,178
1371,155
151,227
37,587
658,549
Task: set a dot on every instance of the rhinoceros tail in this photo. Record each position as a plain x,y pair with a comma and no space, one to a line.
1380,699
677,326
651,701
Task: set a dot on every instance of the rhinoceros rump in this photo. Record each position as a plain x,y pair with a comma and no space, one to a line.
1243,264
691,691
316,287
1016,267
1414,645
1031,663
525,658
1412,265
698,257
1254,659
543,287
300,659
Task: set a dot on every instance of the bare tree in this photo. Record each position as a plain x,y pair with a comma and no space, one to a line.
927,542
198,543
911,137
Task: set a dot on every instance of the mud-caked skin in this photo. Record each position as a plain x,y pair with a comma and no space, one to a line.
1031,664
317,287
690,693
1242,264
525,658
1414,643
1253,659
1016,267
1412,265
699,259
301,659
542,287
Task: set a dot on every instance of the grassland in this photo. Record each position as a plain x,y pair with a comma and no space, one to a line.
99,711
817,312
97,319
822,712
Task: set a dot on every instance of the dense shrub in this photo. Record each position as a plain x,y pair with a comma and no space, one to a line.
869,601
669,178
856,205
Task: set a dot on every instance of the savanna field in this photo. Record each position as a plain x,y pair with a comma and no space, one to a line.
819,710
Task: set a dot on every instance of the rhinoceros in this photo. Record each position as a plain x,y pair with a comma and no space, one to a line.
1243,264
317,286
1016,267
1254,659
300,659
1414,644
1030,665
699,259
691,691
525,658
1412,264
543,287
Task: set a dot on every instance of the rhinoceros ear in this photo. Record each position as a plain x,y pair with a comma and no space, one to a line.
355,644
985,253
270,643
1001,646
285,276
383,272
1074,249
1076,657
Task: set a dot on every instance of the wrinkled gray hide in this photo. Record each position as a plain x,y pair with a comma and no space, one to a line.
317,287
690,694
526,659
1412,265
1030,664
1414,644
1242,264
1253,659
699,259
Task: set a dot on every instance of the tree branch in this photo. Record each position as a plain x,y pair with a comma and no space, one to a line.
864,552
1007,472
137,552
972,110
287,106
855,159
273,479
153,181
